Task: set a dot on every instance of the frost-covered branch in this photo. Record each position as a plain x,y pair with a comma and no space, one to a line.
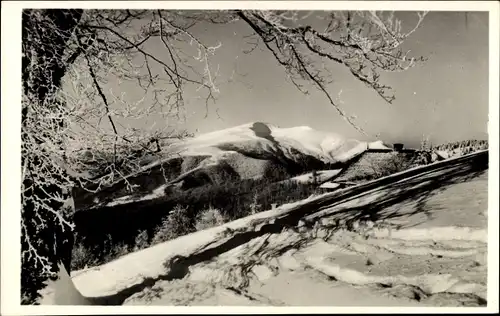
75,129
69,58
366,43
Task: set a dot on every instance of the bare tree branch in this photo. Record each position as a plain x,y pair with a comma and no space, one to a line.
71,56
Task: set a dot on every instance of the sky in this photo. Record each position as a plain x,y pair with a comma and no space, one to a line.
444,99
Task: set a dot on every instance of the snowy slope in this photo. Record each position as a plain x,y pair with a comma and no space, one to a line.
445,226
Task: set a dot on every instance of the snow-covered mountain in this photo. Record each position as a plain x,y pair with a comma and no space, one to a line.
263,140
249,151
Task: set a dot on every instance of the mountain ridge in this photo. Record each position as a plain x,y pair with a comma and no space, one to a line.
252,150
249,151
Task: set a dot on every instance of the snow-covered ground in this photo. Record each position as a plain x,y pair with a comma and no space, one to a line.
429,251
420,264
